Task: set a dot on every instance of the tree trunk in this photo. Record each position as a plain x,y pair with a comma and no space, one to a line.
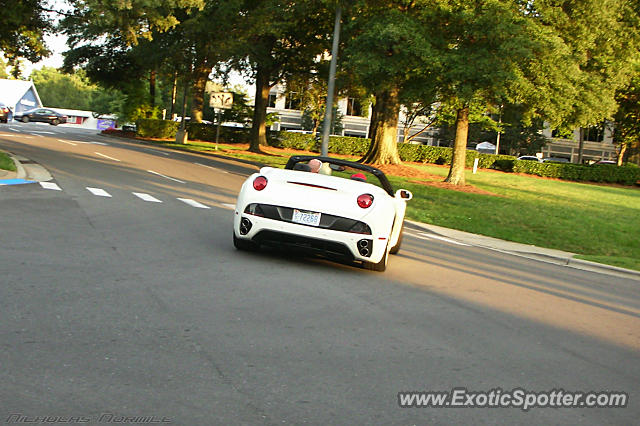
174,93
258,128
152,88
623,151
456,172
201,76
384,140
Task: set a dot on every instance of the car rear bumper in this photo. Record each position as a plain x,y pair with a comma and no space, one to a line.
311,239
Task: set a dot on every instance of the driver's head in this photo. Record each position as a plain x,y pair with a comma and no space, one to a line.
315,165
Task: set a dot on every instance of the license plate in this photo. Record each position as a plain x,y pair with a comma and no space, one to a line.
306,218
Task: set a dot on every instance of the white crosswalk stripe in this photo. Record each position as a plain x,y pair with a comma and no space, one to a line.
50,185
194,203
99,192
143,196
146,197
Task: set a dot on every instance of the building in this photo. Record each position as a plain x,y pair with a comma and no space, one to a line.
355,118
597,144
19,95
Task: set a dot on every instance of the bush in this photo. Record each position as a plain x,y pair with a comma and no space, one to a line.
154,128
504,165
346,145
207,133
606,173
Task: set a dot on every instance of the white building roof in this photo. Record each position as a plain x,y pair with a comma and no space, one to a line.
73,112
11,91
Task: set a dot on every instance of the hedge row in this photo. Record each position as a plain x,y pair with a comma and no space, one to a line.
153,128
407,151
166,129
608,173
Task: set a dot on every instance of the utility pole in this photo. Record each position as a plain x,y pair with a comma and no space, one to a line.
328,115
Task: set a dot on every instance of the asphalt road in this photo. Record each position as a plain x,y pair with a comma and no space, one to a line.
121,294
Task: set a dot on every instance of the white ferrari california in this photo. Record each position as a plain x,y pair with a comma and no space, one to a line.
327,206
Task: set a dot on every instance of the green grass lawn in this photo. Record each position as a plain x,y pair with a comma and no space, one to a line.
6,163
601,223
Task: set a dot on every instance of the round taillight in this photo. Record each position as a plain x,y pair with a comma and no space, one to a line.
365,200
260,183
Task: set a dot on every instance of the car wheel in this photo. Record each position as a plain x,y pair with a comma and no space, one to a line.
25,119
55,122
245,245
380,266
395,249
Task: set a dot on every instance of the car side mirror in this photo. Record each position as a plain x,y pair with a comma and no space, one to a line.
404,194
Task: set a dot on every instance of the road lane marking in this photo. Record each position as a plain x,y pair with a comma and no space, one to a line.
194,203
166,177
229,206
6,135
40,131
32,134
156,151
146,197
67,142
50,185
210,167
28,137
106,156
93,143
438,237
99,192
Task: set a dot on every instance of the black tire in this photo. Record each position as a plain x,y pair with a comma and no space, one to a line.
25,119
55,122
380,266
245,245
395,249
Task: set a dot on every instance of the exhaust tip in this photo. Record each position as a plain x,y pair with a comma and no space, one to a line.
364,247
245,226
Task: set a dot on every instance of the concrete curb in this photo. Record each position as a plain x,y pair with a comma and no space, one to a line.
540,254
30,170
21,173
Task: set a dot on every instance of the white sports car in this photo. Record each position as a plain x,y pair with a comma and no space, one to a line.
323,205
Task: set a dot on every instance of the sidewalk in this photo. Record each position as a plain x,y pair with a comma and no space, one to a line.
27,171
542,254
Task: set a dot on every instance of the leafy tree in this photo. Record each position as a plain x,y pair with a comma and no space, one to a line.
273,41
74,91
310,121
124,44
3,69
553,58
390,48
627,119
23,25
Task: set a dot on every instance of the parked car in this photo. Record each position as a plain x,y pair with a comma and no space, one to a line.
530,158
346,210
4,113
615,163
555,160
41,114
